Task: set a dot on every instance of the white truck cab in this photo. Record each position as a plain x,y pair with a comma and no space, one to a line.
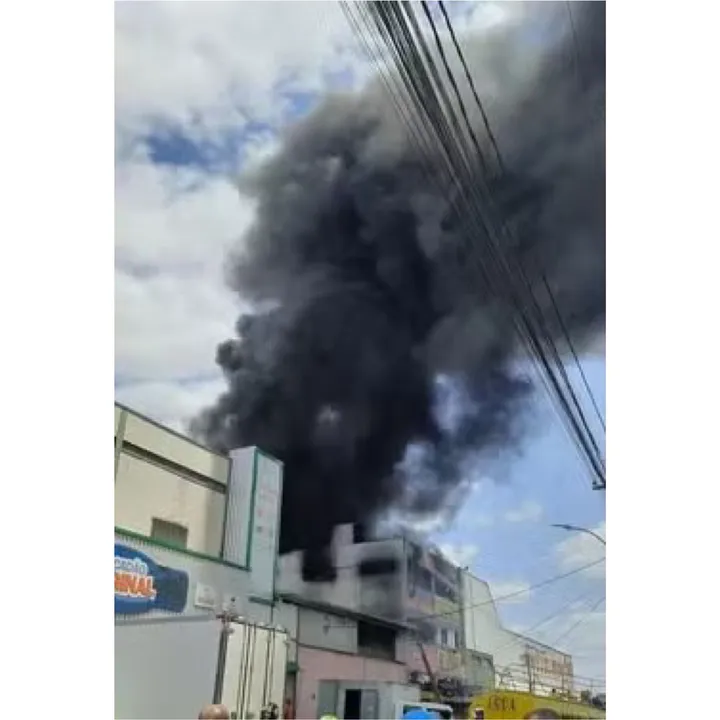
442,712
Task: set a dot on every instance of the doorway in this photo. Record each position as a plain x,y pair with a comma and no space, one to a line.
352,704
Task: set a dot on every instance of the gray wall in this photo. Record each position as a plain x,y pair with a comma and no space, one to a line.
326,631
380,596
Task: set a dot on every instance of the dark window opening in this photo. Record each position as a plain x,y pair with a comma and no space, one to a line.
169,532
376,641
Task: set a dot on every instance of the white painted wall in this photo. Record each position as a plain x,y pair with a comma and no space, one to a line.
162,475
167,444
145,490
484,633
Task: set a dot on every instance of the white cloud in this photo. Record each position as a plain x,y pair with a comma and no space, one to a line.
529,511
462,555
172,404
580,549
211,65
205,68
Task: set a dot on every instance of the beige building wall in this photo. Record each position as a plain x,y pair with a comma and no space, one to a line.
161,475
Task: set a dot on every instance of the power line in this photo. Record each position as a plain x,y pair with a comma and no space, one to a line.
501,165
542,622
513,594
387,17
501,598
412,82
580,621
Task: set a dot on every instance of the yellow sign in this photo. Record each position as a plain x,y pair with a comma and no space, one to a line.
524,706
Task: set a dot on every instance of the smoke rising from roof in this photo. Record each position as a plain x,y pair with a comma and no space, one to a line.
368,311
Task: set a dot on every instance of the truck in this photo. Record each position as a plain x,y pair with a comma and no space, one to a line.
351,700
172,666
510,705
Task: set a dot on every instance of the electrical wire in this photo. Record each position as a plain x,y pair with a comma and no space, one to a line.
427,57
539,624
502,166
580,621
387,19
515,593
501,598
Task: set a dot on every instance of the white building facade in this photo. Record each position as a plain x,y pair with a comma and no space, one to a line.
196,533
520,663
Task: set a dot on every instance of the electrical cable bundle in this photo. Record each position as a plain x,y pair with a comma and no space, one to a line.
428,101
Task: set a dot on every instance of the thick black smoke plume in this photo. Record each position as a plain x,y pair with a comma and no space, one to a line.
363,301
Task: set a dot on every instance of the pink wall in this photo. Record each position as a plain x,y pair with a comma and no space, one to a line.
318,665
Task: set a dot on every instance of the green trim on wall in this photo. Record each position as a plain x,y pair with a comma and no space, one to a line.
182,551
226,505
120,438
251,518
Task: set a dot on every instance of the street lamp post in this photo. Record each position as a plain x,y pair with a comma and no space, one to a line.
575,528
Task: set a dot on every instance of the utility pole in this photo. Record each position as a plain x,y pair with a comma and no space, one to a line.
226,618
429,670
528,666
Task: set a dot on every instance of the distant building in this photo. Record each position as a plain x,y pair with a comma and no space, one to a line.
520,662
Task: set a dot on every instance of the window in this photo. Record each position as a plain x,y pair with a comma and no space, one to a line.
169,532
419,579
443,636
376,641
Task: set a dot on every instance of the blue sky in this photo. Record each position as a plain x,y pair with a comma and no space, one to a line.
547,483
201,91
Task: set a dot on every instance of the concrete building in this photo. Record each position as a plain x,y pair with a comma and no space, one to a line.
519,662
176,495
338,652
421,599
195,533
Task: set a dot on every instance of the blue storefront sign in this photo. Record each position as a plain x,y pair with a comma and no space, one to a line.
141,585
